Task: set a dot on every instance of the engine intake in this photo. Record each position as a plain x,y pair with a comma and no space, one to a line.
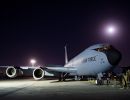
38,73
12,72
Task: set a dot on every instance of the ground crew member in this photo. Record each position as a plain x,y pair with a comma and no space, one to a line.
108,78
124,80
128,76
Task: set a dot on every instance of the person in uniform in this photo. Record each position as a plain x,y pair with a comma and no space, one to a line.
124,80
128,76
108,78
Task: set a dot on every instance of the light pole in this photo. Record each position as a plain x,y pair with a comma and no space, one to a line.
33,62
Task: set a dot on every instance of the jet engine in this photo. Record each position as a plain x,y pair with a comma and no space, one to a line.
38,73
13,72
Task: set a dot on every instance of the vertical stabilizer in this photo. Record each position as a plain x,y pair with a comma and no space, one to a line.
66,56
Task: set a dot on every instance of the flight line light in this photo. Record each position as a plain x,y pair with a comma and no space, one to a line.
33,62
111,30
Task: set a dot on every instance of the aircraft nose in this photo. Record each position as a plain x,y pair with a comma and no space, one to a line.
114,56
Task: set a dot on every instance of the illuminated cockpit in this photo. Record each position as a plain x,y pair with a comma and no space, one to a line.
113,55
104,48
99,46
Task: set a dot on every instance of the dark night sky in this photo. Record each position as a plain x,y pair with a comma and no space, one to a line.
41,29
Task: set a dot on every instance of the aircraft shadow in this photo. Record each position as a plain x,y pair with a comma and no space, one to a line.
68,80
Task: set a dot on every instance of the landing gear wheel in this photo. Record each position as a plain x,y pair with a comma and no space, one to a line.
62,76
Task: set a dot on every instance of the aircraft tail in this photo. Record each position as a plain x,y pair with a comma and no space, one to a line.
66,56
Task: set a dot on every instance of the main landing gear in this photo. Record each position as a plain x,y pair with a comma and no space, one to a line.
62,76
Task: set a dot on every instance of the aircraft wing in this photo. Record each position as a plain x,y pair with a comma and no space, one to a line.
62,69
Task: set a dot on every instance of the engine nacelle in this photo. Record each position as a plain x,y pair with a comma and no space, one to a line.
38,73
13,72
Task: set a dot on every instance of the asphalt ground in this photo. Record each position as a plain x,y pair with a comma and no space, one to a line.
28,89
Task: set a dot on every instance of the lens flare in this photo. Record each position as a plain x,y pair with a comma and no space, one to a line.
111,30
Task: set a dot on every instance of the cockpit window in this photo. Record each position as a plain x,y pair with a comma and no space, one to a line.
104,48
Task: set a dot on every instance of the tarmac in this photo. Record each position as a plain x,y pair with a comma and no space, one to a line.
23,89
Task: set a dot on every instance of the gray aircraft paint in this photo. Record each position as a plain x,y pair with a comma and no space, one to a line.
88,62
